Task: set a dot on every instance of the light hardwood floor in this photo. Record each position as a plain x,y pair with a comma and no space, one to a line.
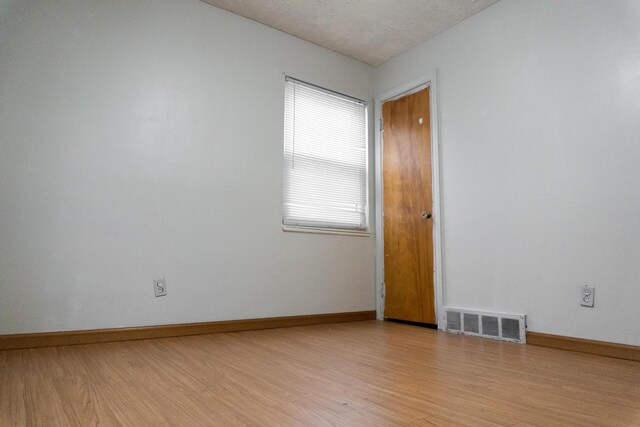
363,373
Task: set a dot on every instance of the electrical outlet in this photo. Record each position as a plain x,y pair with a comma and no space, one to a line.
588,296
160,287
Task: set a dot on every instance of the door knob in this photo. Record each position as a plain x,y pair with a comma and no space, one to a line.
426,215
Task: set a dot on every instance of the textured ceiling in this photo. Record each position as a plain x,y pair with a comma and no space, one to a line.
370,31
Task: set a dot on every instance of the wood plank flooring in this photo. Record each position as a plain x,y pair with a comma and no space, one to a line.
363,373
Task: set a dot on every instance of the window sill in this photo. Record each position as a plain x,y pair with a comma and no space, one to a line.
317,230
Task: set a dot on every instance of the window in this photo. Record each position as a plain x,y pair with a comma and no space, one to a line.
325,159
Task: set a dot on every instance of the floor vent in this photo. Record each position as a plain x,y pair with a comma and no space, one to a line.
498,326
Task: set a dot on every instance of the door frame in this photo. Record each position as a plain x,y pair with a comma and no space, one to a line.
426,80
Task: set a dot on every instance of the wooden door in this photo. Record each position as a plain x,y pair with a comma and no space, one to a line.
408,219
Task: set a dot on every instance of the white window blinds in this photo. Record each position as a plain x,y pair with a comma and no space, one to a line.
325,158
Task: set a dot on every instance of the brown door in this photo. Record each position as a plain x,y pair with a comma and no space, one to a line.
408,219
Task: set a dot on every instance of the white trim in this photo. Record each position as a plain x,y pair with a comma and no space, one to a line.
320,230
428,79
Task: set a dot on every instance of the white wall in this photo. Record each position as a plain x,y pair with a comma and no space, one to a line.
540,133
143,139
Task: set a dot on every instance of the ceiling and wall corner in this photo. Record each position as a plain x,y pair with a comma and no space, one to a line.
371,31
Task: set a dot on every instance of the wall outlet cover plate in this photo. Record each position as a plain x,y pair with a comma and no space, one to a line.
588,296
160,287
